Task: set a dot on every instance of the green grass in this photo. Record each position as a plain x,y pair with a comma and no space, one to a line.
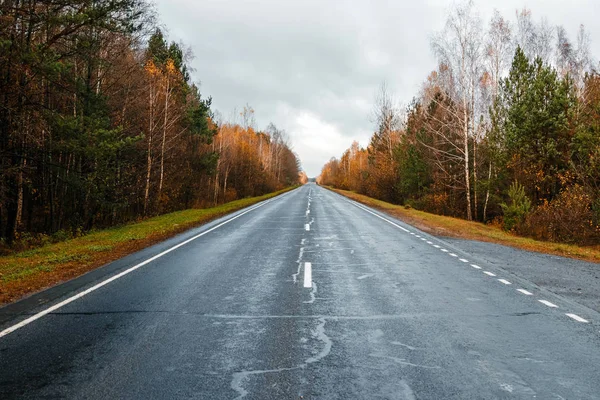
29,271
460,228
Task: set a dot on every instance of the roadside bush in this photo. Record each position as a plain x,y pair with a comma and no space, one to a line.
568,218
515,212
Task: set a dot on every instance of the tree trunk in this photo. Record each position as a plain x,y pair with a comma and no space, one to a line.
467,169
18,222
487,194
475,213
149,153
164,139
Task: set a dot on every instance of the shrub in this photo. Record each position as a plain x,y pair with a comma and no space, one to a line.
567,218
515,212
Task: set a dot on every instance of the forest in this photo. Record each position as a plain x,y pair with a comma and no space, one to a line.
101,124
506,130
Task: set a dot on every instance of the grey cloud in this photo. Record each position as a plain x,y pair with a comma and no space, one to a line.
324,58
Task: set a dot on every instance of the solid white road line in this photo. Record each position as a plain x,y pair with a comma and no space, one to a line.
526,292
547,303
475,266
577,318
121,274
489,273
307,275
504,281
380,217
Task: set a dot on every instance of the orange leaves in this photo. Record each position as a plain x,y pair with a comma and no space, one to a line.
253,161
169,70
151,69
170,67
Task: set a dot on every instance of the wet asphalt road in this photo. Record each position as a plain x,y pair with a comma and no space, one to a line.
387,312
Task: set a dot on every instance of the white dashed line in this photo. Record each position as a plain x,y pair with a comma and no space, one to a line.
307,275
577,318
547,303
308,272
307,227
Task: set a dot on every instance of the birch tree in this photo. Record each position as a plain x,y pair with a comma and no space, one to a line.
459,50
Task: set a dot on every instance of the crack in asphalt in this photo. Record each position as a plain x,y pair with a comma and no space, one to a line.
299,261
313,293
238,378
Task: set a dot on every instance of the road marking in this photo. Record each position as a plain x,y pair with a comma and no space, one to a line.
526,292
364,276
412,233
307,275
489,273
464,260
436,246
379,216
577,318
475,266
453,255
504,281
123,273
444,250
306,227
418,236
428,242
423,239
547,303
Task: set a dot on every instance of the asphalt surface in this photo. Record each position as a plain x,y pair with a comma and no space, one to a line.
307,296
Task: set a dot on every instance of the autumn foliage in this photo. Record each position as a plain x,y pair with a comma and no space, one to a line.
506,129
100,124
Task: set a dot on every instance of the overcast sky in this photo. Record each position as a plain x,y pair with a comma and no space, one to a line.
313,67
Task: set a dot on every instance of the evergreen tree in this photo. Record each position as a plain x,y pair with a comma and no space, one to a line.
536,134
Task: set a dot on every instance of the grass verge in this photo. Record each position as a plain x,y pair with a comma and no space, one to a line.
459,228
33,270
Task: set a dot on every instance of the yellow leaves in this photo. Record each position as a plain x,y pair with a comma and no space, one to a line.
155,71
170,67
152,69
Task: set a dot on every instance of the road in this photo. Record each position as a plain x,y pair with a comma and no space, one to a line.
310,296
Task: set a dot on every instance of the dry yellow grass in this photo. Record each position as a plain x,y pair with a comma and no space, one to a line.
460,228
